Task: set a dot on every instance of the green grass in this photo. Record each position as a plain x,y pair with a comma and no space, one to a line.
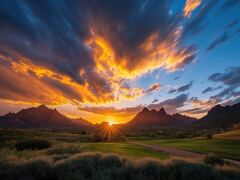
226,149
126,149
230,135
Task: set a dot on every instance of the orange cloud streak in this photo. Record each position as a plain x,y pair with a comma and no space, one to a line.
190,6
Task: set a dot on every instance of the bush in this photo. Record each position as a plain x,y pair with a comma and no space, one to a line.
208,136
213,160
33,144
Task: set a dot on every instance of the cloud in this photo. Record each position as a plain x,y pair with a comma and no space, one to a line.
221,39
231,24
195,111
155,100
199,21
210,89
171,105
227,5
229,78
113,111
83,51
190,6
153,87
181,88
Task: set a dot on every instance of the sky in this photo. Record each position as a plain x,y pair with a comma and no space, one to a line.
106,60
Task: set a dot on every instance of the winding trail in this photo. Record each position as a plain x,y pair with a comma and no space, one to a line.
178,152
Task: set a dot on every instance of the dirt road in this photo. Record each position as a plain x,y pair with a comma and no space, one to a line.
178,152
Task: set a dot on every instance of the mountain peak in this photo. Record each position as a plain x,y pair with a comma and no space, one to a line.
145,110
162,111
216,109
157,119
43,106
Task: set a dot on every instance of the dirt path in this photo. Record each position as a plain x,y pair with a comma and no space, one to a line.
178,152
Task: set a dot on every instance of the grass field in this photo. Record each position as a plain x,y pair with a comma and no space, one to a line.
230,135
126,149
74,155
226,149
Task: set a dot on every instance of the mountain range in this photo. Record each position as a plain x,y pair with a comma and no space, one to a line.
219,117
43,117
156,119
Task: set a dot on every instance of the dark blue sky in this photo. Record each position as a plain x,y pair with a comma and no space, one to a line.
111,58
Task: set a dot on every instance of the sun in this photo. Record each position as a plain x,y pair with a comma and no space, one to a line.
111,120
110,123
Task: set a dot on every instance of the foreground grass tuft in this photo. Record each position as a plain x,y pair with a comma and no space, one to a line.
213,160
111,166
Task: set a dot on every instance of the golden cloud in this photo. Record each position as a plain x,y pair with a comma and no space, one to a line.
190,6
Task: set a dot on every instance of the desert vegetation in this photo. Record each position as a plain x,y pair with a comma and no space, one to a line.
110,166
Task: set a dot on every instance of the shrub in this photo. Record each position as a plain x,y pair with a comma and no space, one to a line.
208,136
83,132
213,160
33,144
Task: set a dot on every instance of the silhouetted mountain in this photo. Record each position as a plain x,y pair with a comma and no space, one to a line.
219,117
157,119
81,122
39,117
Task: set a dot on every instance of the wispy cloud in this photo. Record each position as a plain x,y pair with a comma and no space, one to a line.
181,88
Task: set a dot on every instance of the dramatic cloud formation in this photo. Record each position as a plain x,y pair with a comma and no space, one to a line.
86,49
115,57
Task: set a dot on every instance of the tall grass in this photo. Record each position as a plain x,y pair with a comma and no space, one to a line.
111,166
